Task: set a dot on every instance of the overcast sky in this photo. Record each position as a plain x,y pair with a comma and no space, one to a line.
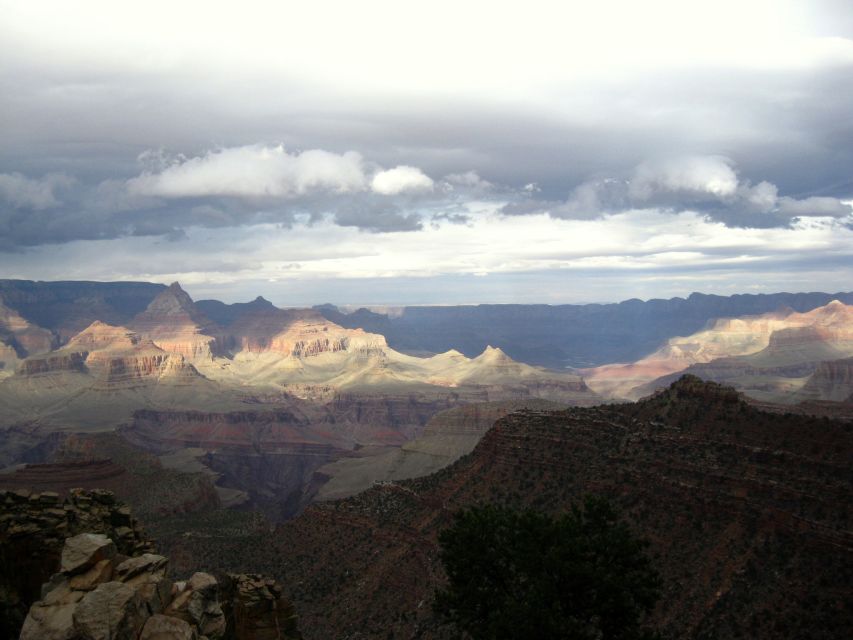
429,152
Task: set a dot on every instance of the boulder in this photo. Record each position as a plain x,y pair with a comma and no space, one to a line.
198,604
160,627
260,610
148,574
100,573
84,551
113,611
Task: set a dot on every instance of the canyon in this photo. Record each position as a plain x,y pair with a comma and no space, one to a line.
747,514
278,408
295,444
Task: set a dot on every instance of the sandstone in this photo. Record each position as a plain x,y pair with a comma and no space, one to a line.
160,627
113,611
260,610
85,550
148,574
49,623
100,573
198,604
32,538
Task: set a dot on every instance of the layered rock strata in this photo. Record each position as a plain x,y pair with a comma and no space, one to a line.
747,513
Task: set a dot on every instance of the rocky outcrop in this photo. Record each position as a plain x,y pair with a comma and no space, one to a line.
313,335
116,358
258,608
53,363
33,528
104,583
105,596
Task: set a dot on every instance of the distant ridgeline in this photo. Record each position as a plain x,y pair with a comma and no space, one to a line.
553,336
567,335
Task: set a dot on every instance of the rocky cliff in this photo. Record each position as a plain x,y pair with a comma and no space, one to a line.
831,381
748,516
21,336
173,323
115,357
107,582
66,308
783,344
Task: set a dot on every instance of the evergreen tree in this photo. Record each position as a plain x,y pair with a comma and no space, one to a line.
523,574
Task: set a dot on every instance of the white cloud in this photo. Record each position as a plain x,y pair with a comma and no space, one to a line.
605,259
708,175
401,179
708,184
27,193
255,171
763,196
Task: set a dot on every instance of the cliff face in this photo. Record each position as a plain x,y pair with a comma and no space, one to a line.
748,516
783,344
66,308
568,335
23,337
831,381
115,357
272,455
175,325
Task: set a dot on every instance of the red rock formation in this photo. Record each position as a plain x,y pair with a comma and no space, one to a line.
747,514
793,341
173,323
116,357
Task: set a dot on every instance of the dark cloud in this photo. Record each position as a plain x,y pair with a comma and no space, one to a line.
372,215
705,184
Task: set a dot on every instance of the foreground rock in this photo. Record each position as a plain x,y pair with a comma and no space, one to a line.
122,598
33,529
111,584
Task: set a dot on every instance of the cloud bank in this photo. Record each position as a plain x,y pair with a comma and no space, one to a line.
707,184
168,131
255,171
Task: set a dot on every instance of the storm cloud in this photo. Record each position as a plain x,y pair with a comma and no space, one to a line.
164,123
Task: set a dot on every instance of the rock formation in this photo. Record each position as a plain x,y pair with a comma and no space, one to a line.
748,516
111,585
115,357
102,595
33,528
783,344
174,324
448,436
66,308
19,338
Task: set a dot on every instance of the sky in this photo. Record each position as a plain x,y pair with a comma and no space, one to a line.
392,153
